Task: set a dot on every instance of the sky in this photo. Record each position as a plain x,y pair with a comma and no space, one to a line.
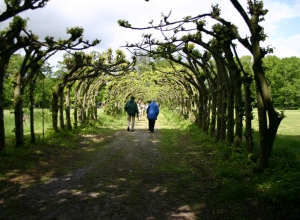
99,20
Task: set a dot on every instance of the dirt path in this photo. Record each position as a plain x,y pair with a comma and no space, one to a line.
165,175
121,181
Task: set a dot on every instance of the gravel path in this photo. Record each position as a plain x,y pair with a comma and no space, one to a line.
119,182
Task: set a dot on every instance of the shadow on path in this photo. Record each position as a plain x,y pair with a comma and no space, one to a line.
130,177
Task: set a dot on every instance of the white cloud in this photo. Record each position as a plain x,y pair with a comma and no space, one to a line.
279,15
287,47
99,19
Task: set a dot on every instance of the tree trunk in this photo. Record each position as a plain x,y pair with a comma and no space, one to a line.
200,113
4,60
182,112
189,107
239,113
68,113
263,133
54,107
31,94
230,116
205,114
96,107
213,113
76,102
248,114
234,97
223,91
219,108
83,109
18,110
264,101
267,133
266,107
61,108
2,129
223,115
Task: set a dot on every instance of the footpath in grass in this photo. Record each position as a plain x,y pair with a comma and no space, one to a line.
115,174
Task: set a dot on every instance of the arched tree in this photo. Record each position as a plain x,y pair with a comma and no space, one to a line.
225,31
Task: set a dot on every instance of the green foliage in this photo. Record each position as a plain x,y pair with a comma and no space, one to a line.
281,188
76,32
232,190
284,76
124,23
14,66
236,175
18,23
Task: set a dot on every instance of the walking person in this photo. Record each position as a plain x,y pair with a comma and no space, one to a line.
152,113
132,110
140,109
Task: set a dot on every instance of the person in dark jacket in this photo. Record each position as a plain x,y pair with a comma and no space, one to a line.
152,113
132,110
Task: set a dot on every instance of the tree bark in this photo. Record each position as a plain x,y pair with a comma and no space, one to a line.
4,60
61,108
248,114
31,98
18,110
54,107
68,113
214,98
236,91
265,106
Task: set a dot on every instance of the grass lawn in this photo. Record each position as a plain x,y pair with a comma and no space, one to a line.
40,124
179,163
289,126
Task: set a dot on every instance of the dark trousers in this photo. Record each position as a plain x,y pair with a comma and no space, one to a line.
151,125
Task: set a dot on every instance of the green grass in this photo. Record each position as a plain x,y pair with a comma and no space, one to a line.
289,126
41,124
234,176
194,166
287,140
9,122
47,154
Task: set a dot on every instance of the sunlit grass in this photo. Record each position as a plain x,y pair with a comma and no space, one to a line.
42,121
289,126
193,166
278,185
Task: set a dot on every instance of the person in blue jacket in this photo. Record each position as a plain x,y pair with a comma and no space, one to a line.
152,113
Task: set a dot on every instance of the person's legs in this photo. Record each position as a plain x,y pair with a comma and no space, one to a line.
128,122
151,125
132,122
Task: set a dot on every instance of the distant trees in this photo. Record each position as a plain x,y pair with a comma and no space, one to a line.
283,76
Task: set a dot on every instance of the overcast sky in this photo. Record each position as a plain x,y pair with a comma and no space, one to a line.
99,20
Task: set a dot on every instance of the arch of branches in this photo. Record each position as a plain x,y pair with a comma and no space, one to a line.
205,79
207,62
